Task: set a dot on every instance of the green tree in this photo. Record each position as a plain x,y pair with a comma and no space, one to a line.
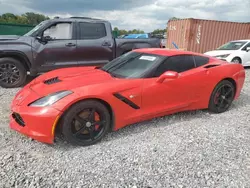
174,18
125,32
34,19
159,31
27,18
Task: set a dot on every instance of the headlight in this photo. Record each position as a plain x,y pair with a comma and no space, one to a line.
50,99
223,56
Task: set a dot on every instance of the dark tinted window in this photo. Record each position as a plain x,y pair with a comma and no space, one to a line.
92,30
199,60
177,64
131,65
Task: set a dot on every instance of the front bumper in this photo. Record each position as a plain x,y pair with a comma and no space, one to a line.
36,123
227,59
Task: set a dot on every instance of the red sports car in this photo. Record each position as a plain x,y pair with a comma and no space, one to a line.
84,103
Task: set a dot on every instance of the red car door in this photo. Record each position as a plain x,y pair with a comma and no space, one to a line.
176,94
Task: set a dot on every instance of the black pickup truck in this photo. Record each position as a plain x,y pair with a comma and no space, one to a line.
59,43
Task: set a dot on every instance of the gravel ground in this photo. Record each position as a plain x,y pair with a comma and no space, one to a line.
192,149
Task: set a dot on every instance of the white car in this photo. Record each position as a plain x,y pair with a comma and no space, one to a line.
237,51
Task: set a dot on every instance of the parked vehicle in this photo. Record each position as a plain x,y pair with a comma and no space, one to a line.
137,36
237,51
85,103
59,43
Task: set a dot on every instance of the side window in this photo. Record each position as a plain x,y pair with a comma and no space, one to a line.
176,63
92,30
245,48
59,31
200,61
142,37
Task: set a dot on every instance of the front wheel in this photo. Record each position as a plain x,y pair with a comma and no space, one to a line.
236,60
86,123
222,97
12,73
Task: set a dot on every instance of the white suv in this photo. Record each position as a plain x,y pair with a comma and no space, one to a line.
237,51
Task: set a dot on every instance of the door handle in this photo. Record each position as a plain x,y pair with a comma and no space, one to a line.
106,43
70,44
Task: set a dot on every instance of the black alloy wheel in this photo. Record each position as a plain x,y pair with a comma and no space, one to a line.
236,60
86,123
222,97
12,73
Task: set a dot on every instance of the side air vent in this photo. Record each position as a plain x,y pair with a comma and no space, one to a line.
126,101
52,81
210,66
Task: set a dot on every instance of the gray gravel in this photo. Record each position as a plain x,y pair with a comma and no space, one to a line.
192,149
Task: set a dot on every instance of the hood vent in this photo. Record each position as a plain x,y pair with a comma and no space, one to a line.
52,81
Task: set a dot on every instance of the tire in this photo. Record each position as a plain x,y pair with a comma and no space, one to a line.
236,60
222,97
82,137
9,78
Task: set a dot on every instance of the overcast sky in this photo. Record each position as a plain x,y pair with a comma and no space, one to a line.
139,14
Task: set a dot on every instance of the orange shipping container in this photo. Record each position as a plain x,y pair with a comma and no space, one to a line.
204,35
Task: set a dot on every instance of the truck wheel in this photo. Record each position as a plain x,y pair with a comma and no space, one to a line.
12,73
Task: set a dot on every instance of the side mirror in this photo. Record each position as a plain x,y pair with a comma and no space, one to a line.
43,39
47,38
248,49
38,38
168,75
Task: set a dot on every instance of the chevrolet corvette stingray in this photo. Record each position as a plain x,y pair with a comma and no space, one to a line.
84,103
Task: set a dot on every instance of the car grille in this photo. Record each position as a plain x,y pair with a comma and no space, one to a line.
52,81
18,119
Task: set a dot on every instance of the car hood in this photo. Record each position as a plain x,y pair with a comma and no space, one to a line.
9,37
15,41
68,79
219,52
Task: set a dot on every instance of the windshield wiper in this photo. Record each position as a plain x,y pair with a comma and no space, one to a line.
108,72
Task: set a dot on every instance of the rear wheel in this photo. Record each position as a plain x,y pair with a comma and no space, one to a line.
86,123
222,97
12,73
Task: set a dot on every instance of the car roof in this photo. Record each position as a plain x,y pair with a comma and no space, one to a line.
167,52
243,40
74,18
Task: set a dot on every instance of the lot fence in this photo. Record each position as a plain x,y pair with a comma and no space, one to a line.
14,29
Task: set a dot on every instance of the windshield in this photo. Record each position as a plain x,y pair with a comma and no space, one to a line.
35,28
236,45
131,65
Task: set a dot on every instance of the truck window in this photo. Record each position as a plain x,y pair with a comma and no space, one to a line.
59,31
92,30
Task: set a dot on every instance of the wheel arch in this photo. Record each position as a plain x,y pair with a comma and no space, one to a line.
238,58
18,56
226,78
105,103
233,82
